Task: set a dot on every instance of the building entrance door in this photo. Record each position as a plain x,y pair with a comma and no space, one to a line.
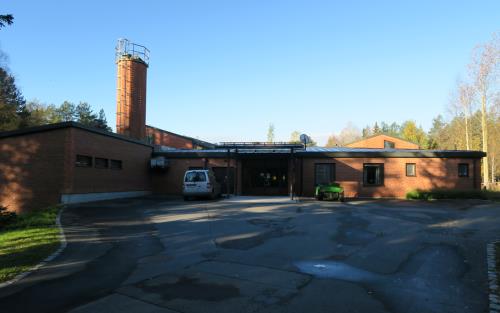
265,177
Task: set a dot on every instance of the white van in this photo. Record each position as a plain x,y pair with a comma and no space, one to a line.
200,183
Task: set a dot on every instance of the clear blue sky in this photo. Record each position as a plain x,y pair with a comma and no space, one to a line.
224,70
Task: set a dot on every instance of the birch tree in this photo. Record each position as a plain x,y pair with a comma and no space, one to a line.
464,102
270,133
484,73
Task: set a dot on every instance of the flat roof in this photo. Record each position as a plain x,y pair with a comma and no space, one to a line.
260,145
337,152
55,126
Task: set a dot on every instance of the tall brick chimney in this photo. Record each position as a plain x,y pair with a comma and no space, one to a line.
132,61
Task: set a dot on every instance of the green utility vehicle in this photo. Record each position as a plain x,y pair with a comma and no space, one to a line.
332,191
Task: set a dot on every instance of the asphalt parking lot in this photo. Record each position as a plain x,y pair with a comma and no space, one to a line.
266,255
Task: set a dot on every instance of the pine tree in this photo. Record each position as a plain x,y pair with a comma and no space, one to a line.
101,122
6,19
13,113
84,114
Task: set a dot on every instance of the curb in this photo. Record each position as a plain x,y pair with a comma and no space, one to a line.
492,277
62,246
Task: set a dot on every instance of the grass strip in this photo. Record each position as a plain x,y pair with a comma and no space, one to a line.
27,240
434,194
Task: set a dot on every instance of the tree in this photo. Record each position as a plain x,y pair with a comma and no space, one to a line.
461,106
395,129
84,114
270,133
376,129
348,134
411,132
6,19
101,122
494,144
384,127
466,97
436,133
66,112
295,137
13,113
333,141
484,70
41,114
366,132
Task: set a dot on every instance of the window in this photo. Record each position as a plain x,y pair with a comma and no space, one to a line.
411,169
389,144
195,176
324,173
83,161
116,164
373,174
101,163
463,170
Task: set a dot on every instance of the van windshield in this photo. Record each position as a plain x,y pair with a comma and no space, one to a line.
195,177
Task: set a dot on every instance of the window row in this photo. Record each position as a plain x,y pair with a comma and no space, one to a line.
373,173
88,161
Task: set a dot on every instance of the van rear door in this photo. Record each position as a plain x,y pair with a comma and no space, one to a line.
195,182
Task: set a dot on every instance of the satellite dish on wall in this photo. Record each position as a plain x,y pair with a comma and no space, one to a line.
305,139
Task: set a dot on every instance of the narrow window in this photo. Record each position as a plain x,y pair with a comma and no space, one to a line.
101,163
116,164
324,173
389,144
411,169
373,174
83,161
463,170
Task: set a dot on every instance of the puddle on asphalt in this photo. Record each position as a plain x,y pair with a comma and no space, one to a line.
334,269
428,281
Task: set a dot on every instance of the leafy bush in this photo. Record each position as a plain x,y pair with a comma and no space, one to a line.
6,217
434,194
35,218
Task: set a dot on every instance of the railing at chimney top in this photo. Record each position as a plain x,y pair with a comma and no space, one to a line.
125,48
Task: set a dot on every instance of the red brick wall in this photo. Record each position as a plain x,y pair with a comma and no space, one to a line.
431,173
36,168
164,138
134,176
377,142
32,169
170,181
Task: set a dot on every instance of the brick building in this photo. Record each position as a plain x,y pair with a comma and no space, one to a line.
68,162
367,173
